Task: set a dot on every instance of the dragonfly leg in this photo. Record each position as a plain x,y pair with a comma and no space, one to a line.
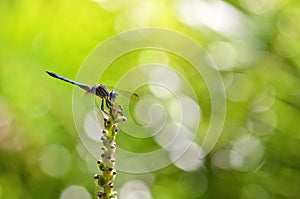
108,104
102,106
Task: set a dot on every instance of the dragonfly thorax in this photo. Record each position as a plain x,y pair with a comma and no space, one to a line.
101,91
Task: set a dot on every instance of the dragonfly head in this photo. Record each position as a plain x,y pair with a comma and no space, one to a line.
113,96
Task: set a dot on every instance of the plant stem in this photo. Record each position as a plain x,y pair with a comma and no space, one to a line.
106,164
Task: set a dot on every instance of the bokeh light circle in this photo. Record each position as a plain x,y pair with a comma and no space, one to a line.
55,160
75,192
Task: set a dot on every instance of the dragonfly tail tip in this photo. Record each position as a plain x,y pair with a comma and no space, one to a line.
50,73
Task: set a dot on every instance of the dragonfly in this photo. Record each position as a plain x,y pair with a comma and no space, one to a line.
108,97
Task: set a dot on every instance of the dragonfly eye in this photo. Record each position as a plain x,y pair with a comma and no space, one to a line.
113,96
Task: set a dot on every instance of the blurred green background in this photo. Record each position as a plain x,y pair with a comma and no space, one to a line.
255,45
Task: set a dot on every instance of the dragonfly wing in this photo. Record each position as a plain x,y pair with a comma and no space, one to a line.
127,94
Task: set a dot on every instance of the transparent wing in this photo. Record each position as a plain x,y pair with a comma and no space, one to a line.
127,94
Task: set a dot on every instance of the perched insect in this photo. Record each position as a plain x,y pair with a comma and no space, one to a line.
108,97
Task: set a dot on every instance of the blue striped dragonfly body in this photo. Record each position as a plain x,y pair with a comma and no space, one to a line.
108,97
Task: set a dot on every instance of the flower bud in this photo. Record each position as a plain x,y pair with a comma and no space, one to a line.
96,176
